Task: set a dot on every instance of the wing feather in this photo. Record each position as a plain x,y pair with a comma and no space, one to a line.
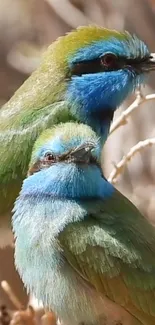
113,248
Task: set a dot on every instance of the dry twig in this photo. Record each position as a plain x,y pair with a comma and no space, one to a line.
24,317
5,316
122,119
25,57
48,319
70,14
8,290
118,168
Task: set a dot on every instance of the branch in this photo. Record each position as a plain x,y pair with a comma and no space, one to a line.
68,13
8,290
118,169
122,119
48,318
25,57
26,317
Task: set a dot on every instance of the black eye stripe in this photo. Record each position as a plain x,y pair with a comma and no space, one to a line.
96,66
86,67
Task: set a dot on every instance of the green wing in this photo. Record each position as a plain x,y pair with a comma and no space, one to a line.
113,248
16,142
37,104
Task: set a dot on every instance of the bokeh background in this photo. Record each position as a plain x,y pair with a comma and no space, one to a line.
27,27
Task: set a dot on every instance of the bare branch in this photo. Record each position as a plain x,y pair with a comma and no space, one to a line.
8,290
26,317
48,318
122,119
25,57
118,168
70,14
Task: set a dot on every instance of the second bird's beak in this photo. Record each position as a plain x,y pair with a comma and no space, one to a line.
149,64
82,153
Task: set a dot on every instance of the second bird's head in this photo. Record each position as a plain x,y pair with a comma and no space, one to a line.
99,69
65,163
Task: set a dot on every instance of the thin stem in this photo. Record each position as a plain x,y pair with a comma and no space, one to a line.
118,168
122,119
8,290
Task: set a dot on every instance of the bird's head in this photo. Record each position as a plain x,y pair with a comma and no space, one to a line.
65,163
63,144
101,67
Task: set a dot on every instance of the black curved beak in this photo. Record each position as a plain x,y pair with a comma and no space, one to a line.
149,64
143,65
82,153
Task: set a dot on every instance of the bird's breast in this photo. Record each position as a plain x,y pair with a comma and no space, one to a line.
44,270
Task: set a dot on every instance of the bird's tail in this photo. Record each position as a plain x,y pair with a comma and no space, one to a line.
142,317
114,314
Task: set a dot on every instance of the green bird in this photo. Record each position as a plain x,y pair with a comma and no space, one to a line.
82,247
84,76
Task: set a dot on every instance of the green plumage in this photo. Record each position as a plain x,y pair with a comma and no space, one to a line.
114,251
74,82
81,247
37,105
16,147
40,103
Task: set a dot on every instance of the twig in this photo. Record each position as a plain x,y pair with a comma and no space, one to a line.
122,119
70,14
25,57
5,316
26,317
6,287
118,168
48,319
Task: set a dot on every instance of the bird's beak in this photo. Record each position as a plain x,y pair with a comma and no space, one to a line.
149,65
82,153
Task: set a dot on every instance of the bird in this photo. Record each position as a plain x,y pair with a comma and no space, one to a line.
84,76
81,245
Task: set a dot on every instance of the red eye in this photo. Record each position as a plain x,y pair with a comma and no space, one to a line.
109,60
49,157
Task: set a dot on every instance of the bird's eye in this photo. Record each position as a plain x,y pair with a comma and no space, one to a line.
109,60
49,157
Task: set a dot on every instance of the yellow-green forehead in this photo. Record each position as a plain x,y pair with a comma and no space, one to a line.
62,138
66,132
71,130
83,36
63,134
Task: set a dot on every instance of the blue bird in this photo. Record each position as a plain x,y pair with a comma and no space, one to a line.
81,247
84,76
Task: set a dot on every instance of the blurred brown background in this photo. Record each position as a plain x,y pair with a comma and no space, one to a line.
27,27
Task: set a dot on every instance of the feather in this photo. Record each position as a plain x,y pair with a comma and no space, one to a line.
113,248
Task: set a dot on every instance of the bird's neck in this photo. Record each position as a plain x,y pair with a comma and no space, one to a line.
67,181
59,195
99,120
94,98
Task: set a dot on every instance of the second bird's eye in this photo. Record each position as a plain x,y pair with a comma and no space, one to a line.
49,157
109,60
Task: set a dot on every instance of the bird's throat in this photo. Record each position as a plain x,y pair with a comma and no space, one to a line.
100,121
103,115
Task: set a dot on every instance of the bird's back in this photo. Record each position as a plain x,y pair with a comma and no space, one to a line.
114,250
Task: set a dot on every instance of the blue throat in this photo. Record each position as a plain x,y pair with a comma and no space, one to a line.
67,181
94,97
